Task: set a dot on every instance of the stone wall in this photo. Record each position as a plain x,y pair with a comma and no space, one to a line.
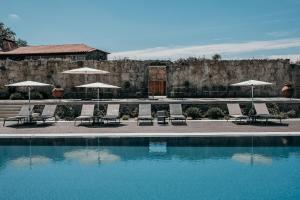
207,76
198,77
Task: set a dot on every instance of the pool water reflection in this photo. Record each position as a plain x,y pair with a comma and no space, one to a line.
93,172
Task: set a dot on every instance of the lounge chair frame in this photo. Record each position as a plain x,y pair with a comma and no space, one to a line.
262,112
112,114
235,112
87,114
144,113
176,113
22,115
48,113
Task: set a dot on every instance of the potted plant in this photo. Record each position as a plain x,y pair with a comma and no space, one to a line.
58,92
287,90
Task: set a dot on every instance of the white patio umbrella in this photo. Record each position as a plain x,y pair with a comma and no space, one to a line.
252,83
85,71
251,158
28,85
98,85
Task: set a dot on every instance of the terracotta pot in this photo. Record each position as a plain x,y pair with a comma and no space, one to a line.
58,92
287,90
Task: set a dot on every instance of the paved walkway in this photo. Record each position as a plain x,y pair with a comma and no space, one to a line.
193,128
157,101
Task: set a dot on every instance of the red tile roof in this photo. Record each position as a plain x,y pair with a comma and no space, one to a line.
50,49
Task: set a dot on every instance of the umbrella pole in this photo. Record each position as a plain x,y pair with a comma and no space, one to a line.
252,93
85,80
29,109
98,99
252,160
30,160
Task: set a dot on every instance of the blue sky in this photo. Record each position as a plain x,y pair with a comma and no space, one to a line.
165,29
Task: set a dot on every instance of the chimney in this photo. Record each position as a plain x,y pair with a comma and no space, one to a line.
8,44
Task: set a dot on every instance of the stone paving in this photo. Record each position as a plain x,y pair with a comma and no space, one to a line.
192,127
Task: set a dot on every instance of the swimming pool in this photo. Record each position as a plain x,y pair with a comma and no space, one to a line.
156,172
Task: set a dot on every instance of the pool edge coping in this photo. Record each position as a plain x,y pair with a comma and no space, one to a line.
149,135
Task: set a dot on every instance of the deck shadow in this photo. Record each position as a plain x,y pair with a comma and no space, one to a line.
260,123
270,123
163,124
145,124
33,125
178,123
109,125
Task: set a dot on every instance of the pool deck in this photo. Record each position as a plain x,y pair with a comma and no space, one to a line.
201,128
157,101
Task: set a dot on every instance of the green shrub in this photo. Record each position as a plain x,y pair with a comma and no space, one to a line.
215,113
193,112
125,117
247,109
4,94
134,112
252,111
130,110
36,95
68,112
291,114
124,110
274,109
99,112
16,95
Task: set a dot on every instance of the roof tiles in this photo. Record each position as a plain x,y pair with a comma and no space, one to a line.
50,49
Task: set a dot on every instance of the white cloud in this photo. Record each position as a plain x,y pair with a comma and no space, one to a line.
27,161
248,158
14,16
90,156
226,49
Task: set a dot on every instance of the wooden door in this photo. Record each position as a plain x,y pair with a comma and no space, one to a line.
157,88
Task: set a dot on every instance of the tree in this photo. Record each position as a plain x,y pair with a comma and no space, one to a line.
7,33
21,43
216,57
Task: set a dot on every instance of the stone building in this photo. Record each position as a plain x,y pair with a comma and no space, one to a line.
74,52
190,77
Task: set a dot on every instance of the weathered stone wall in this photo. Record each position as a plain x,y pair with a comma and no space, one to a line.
197,76
209,75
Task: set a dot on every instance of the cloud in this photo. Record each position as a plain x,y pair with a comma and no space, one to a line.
89,156
14,16
248,158
227,49
27,161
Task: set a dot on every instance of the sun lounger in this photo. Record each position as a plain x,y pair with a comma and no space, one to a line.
263,112
176,113
48,113
22,115
87,113
235,111
144,113
112,113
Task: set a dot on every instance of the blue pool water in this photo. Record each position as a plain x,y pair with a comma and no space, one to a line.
81,172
